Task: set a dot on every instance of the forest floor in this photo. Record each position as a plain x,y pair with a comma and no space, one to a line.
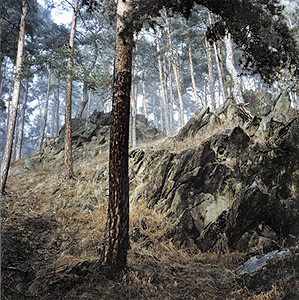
50,246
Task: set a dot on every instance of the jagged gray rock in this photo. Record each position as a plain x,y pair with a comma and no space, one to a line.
237,191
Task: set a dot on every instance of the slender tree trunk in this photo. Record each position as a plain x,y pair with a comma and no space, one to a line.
116,242
221,60
84,102
68,101
192,77
57,118
172,99
154,111
237,89
43,129
134,110
13,158
210,68
220,76
22,121
143,94
89,103
162,89
9,95
15,101
176,73
205,92
2,77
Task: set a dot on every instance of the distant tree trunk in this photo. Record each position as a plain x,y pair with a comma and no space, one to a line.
15,101
89,103
162,89
176,72
143,94
57,118
221,63
91,67
2,77
22,121
116,242
84,102
134,111
220,76
192,77
205,92
13,158
68,101
43,129
154,111
237,88
9,96
210,68
172,100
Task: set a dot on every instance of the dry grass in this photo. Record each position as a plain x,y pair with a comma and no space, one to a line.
47,232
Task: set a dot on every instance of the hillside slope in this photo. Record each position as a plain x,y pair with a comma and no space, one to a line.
201,203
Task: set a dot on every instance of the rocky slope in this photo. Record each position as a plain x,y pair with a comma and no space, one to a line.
238,190
223,189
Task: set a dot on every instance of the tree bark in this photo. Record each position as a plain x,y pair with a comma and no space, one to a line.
220,58
176,73
144,94
57,118
43,129
116,242
221,83
89,103
68,101
192,77
15,101
162,89
237,89
84,102
22,121
2,77
134,111
9,95
210,68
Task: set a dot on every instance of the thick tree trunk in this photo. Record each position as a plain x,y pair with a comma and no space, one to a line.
192,77
43,129
22,121
116,242
176,72
15,102
237,89
68,102
162,89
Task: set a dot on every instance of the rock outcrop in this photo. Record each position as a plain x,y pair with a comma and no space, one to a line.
237,191
95,128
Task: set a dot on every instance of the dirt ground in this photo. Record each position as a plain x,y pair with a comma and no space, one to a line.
50,246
